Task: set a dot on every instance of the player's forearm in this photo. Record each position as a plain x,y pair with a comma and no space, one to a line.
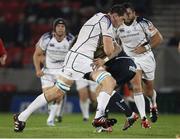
156,40
108,45
37,62
117,50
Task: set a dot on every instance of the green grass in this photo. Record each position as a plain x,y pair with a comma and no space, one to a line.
168,126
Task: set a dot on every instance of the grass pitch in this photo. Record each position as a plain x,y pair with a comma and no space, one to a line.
72,126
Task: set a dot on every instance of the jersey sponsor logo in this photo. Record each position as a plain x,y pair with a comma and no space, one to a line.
121,30
51,45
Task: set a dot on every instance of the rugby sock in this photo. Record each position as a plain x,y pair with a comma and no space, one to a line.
102,100
140,103
84,105
61,105
52,112
152,100
37,103
117,101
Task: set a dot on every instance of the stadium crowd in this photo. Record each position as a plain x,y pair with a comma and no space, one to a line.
23,22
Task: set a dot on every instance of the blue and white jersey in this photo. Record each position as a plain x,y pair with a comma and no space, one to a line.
90,33
136,34
55,51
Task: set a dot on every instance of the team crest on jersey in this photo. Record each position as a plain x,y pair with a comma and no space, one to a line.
51,45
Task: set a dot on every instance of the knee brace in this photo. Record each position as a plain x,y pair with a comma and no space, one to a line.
102,76
62,86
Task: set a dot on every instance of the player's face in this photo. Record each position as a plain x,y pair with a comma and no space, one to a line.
60,29
117,20
129,15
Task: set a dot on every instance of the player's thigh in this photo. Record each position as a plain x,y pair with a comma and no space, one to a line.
47,81
147,64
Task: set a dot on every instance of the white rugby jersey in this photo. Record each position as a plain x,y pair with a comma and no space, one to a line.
89,35
55,51
139,32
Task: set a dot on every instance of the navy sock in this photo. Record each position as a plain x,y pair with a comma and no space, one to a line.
117,102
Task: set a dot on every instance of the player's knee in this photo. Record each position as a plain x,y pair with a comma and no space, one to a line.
62,86
137,88
108,82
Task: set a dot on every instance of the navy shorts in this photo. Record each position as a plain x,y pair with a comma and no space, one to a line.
122,68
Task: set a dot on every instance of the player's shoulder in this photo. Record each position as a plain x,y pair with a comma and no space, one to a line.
47,35
143,20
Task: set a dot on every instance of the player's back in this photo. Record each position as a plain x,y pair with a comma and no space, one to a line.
89,35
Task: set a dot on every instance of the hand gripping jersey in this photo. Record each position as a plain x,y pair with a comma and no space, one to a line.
90,34
55,51
136,34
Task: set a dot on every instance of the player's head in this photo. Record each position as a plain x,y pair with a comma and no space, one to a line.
59,26
117,15
130,13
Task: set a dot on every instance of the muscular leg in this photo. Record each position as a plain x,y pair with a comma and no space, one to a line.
53,110
48,96
138,93
84,102
151,95
60,109
150,92
107,86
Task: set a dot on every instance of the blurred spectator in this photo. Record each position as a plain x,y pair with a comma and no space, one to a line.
103,5
3,53
22,30
174,40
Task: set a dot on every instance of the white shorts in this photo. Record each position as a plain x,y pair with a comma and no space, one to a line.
147,64
50,76
76,65
86,83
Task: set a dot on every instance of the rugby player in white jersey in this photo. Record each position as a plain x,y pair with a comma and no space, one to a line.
50,52
138,36
77,63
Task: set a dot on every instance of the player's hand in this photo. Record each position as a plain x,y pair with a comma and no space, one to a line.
97,63
39,73
3,59
139,49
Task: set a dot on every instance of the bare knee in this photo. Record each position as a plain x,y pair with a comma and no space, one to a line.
108,84
53,94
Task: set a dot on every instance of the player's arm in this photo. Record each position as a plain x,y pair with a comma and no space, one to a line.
99,62
38,59
156,39
108,45
107,35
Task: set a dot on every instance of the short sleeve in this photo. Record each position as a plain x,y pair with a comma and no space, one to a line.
150,29
43,41
106,27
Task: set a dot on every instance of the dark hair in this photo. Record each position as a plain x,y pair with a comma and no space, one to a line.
58,21
119,9
128,5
